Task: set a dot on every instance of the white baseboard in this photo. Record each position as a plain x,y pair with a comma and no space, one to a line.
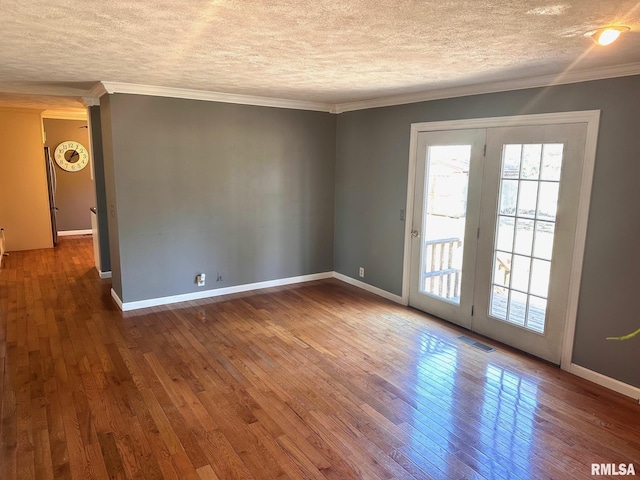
115,296
369,288
69,233
608,382
185,297
104,274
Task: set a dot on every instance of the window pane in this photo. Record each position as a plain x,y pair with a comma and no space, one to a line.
511,161
445,207
548,203
505,233
502,269
551,161
525,229
536,314
524,236
540,274
498,306
517,308
544,240
520,273
508,197
531,161
527,198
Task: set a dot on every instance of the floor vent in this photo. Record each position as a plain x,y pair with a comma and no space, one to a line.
475,343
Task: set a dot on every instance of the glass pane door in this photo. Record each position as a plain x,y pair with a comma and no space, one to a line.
445,206
493,232
530,192
446,213
525,230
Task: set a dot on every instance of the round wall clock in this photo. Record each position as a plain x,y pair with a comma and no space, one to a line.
71,156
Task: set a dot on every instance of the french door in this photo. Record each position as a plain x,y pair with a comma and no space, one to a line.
446,213
494,222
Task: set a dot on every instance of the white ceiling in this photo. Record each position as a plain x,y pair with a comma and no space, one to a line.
329,51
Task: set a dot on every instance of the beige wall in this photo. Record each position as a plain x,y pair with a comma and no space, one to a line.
24,201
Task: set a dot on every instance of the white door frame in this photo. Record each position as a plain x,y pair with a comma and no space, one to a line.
592,119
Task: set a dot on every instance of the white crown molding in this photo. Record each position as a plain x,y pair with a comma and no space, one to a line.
92,97
493,87
97,91
91,101
79,114
135,89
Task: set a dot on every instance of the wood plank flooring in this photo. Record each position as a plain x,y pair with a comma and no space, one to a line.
314,381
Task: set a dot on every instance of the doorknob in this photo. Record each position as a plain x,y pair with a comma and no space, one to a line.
415,233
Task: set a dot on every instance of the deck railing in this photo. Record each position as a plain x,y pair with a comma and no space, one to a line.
440,276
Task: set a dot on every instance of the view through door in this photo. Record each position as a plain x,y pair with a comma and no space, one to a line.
494,222
445,221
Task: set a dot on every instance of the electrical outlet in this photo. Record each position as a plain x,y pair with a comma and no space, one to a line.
361,272
200,279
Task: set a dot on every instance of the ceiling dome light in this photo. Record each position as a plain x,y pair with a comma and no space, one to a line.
608,35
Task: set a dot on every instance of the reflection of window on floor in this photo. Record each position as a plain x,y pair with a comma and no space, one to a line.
435,413
508,410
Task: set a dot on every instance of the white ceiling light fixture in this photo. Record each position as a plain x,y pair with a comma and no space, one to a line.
607,35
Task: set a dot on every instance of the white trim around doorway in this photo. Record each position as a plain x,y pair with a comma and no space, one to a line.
592,119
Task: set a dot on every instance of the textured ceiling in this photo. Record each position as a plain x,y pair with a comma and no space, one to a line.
329,51
40,102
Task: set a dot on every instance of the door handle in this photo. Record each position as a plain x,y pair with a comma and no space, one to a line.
415,233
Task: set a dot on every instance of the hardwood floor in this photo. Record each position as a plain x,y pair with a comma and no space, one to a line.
314,381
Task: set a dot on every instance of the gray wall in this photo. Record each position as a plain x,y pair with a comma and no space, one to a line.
371,188
110,191
74,193
207,187
100,187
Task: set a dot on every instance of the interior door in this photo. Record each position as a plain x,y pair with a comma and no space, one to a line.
527,227
494,221
445,222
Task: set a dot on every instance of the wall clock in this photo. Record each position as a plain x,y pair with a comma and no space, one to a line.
71,156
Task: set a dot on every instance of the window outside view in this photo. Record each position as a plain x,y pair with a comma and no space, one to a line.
525,227
446,185
524,230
